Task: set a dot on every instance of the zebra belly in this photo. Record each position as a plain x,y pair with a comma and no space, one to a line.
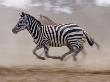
56,44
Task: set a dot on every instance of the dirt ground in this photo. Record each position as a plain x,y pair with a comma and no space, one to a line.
40,74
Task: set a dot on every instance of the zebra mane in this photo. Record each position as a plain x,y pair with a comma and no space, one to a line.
28,15
46,20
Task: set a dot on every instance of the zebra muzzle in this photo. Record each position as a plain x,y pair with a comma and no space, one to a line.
14,31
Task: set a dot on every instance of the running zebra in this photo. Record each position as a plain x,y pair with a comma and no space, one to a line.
70,35
48,21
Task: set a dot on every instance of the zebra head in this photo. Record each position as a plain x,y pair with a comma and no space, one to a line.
22,23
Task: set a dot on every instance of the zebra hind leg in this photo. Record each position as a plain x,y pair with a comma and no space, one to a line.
67,53
34,52
64,55
76,52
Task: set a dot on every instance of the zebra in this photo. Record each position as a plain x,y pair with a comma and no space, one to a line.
45,36
48,21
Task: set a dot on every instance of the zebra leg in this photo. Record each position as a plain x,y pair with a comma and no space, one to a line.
46,49
64,55
74,56
34,52
76,51
83,51
67,53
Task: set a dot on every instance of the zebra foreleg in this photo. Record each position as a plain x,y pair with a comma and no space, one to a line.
34,52
46,50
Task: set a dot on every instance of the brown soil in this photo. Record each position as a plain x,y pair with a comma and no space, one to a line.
43,74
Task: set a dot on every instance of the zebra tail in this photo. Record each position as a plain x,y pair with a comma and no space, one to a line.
91,41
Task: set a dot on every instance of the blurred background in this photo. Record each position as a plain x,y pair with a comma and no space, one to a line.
92,15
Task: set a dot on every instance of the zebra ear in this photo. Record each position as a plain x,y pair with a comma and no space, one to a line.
22,14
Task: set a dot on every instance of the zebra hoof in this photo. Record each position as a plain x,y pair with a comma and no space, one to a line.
61,58
42,58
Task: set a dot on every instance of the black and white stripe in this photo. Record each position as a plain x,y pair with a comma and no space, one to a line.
70,35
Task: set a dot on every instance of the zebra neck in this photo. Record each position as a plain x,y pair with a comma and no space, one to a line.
35,32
